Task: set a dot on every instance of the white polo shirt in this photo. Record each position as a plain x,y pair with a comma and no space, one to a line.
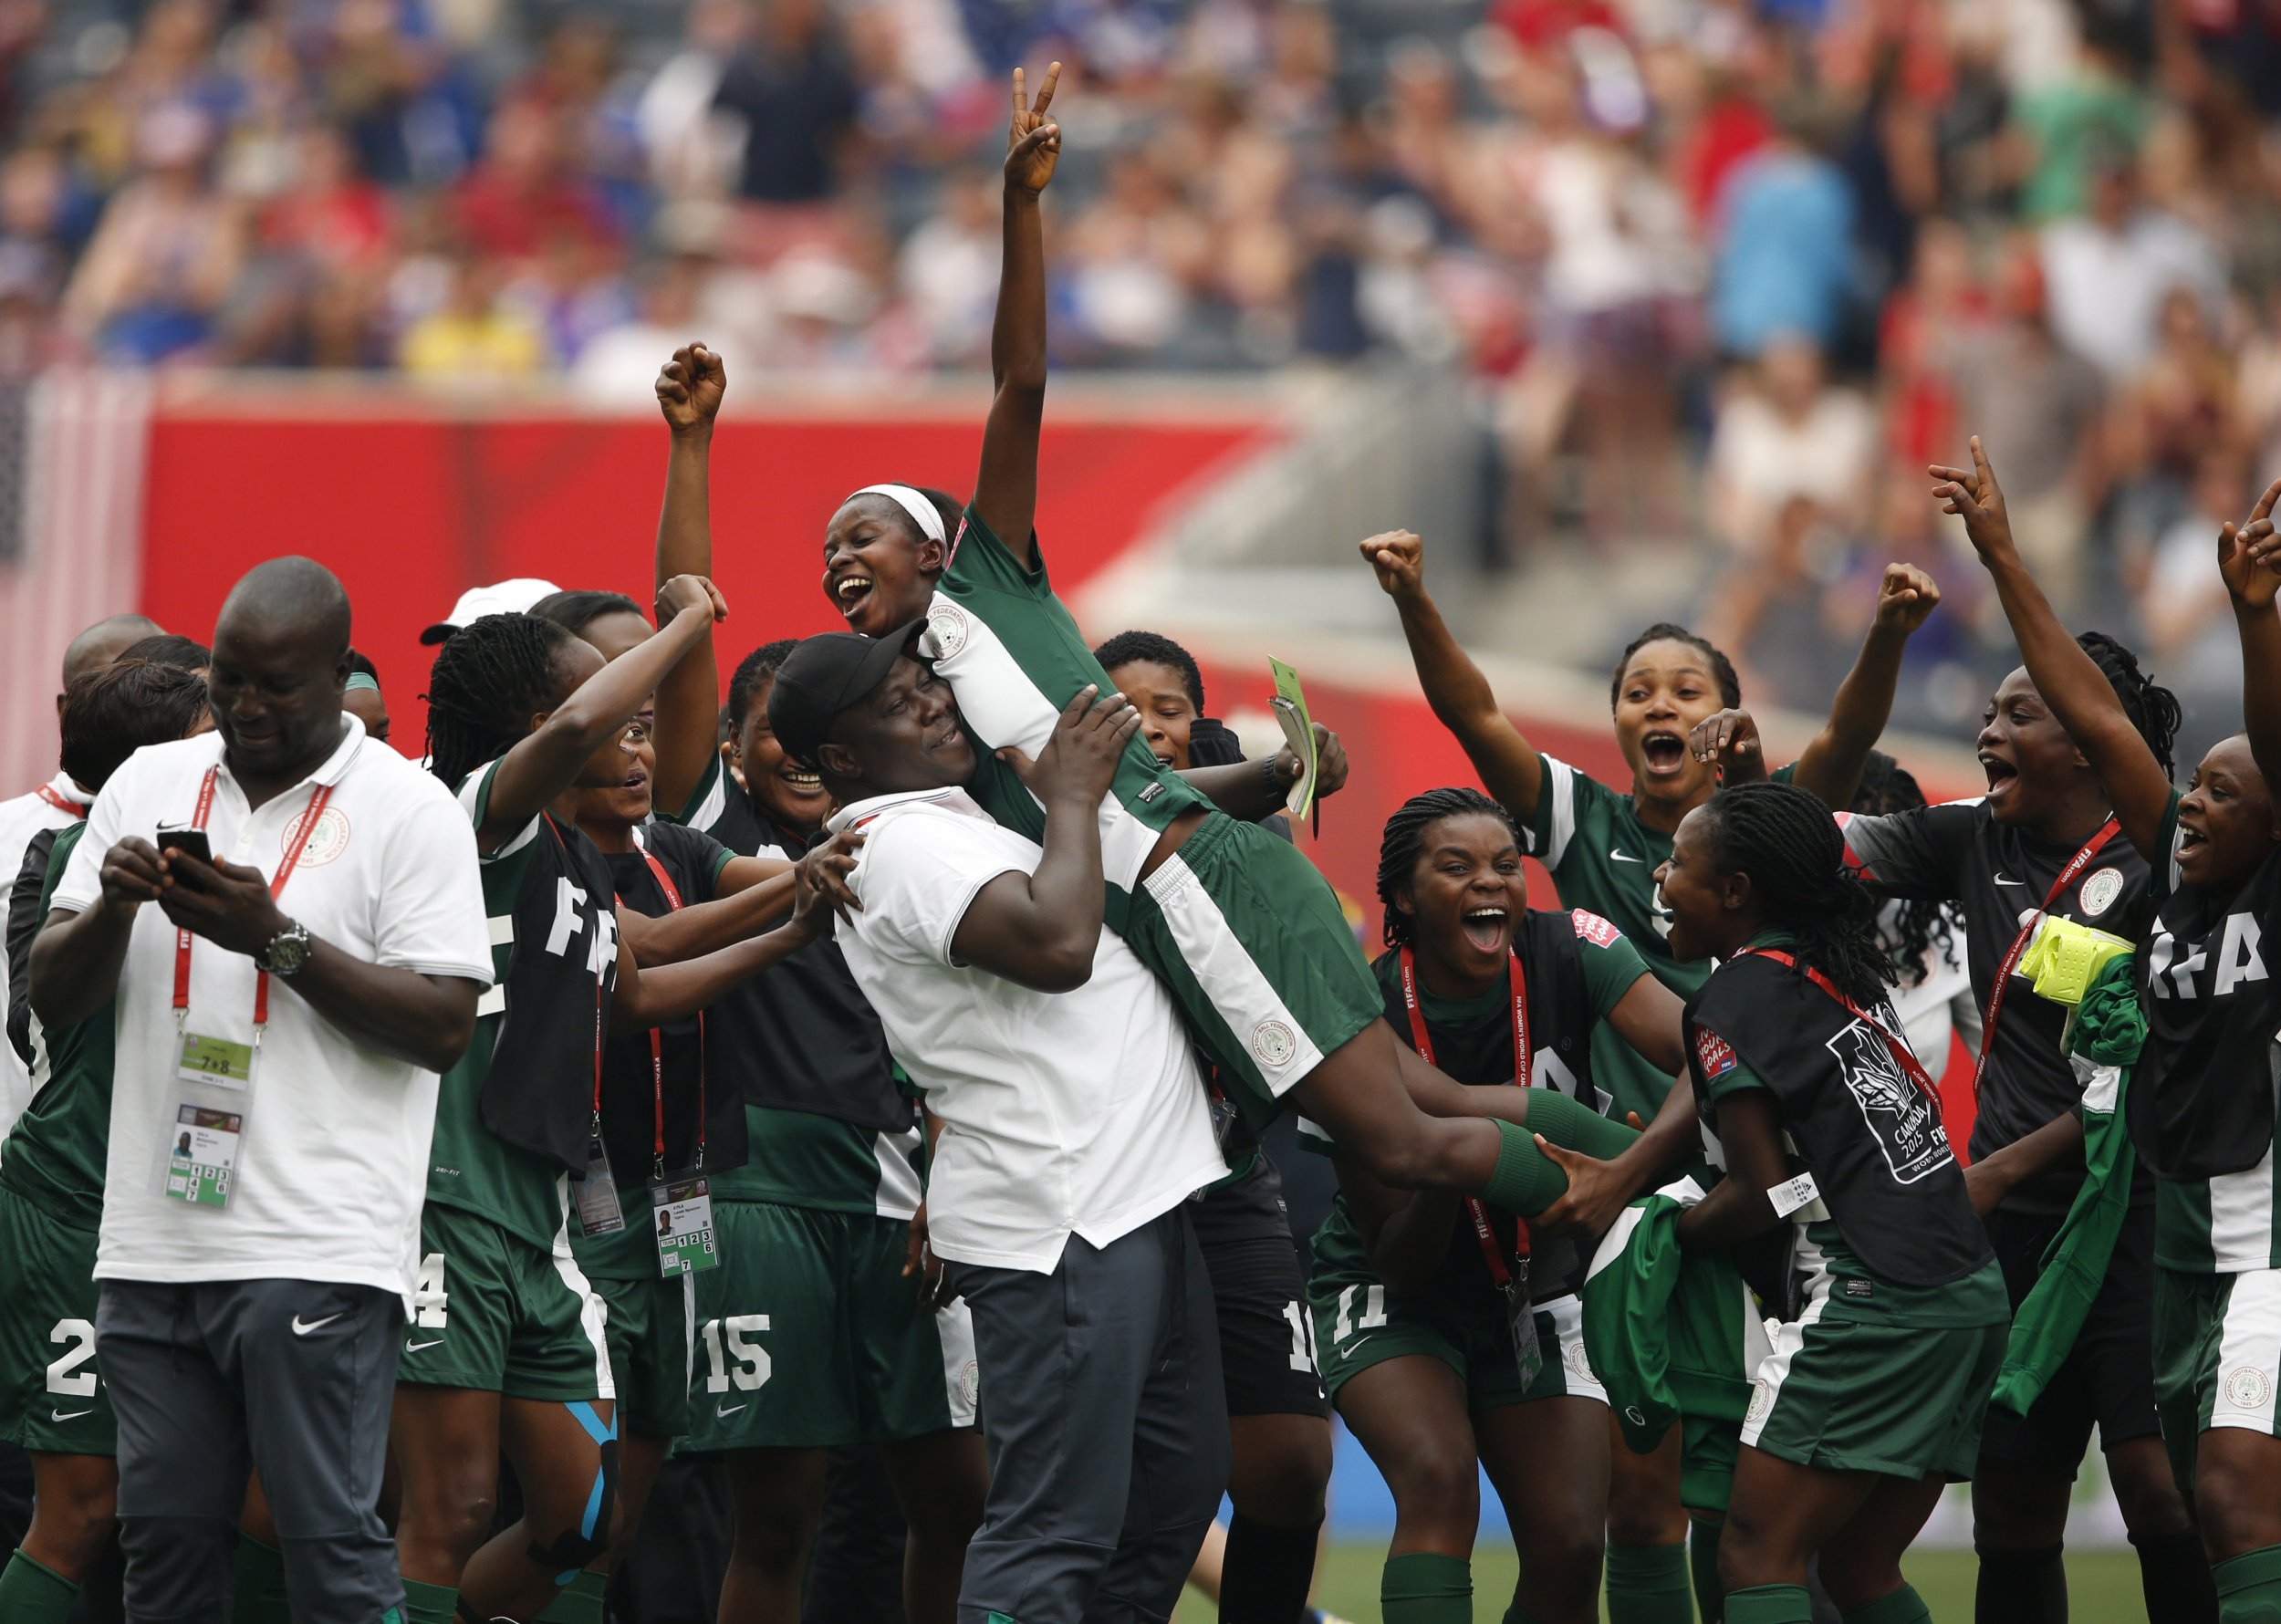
22,820
1080,1112
334,1158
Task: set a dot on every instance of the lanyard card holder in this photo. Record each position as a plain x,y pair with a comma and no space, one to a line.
202,1130
685,1241
595,1191
1520,1316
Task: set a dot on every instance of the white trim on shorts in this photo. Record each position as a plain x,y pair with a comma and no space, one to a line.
1568,1330
593,1313
961,1371
1786,1340
2249,1354
1228,975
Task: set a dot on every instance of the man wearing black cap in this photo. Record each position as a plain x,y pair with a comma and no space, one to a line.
1074,1129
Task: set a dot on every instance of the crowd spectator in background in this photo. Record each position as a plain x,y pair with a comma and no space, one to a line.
1707,271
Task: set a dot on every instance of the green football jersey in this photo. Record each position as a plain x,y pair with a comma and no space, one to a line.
802,1159
1013,659
53,1155
1604,858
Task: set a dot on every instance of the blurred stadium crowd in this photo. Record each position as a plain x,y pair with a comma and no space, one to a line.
1714,268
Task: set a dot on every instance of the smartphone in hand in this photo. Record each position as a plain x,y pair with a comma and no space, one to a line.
192,841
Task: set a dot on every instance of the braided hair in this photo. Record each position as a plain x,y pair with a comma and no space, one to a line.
1721,668
2153,709
490,677
1785,839
1888,787
1404,840
755,669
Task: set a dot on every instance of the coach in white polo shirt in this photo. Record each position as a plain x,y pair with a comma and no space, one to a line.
1074,1128
261,1216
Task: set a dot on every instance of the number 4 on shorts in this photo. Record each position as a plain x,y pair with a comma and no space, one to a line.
734,1339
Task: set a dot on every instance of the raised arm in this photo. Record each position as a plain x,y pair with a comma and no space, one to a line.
1040,929
1460,696
1830,767
1005,489
2250,560
754,894
546,762
2071,684
1252,790
689,390
644,998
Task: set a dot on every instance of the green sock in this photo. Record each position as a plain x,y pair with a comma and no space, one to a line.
1426,1589
431,1604
257,1593
1770,1604
1703,1559
31,1594
1904,1606
579,1601
2249,1586
1647,1584
1525,1180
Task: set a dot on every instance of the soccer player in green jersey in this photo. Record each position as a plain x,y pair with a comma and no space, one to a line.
1602,845
2201,1102
507,1348
1242,928
1417,1298
53,1403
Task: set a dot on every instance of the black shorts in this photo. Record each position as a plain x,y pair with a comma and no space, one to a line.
1266,1339
2108,1378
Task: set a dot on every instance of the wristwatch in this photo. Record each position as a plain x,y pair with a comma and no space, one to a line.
287,951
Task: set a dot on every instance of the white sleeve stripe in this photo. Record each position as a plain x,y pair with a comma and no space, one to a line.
714,801
1560,784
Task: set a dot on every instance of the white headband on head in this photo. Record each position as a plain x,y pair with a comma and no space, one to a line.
914,502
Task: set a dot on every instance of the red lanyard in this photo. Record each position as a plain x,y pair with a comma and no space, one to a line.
60,802
295,842
1422,1041
2068,877
1913,1068
657,1043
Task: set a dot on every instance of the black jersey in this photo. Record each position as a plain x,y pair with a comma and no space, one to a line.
2201,1095
630,1067
801,1038
1959,852
1861,1126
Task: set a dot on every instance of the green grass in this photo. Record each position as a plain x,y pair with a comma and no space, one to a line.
2103,1586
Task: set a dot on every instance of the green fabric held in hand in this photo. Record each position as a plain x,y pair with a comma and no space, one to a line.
2109,1026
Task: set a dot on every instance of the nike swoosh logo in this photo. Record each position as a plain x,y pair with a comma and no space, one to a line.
1622,858
1357,1342
58,1415
729,1410
416,1347
300,1329
2003,879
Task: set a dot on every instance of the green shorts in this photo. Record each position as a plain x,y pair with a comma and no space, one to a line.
1708,1449
2217,1357
495,1312
809,1336
1250,939
649,1326
1359,1323
52,1396
1855,1395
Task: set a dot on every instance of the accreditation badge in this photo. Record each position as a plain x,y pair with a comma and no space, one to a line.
216,1062
1520,1318
202,1159
596,1191
683,1213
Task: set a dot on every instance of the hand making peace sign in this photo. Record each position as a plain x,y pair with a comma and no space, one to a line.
1033,145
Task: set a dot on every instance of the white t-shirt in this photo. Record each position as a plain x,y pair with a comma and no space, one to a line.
22,821
1079,1112
333,1161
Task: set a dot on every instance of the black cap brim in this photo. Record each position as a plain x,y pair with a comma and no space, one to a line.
802,703
437,632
